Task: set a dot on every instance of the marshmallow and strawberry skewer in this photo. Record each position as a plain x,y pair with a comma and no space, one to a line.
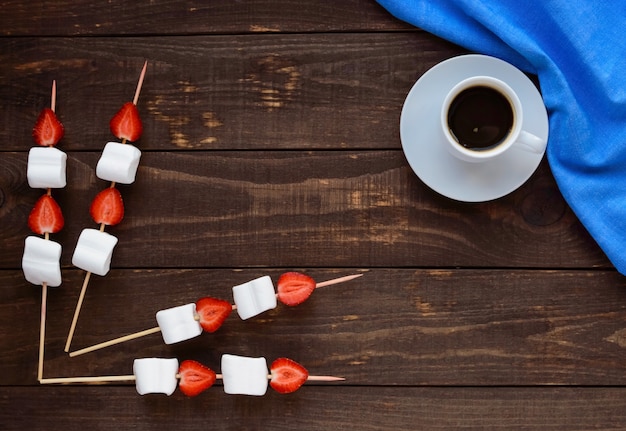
118,164
46,169
208,314
241,375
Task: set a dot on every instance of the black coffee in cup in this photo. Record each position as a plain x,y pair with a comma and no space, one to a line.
480,118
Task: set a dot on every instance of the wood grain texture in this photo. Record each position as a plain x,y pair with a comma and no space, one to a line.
386,328
165,17
315,408
296,208
219,92
271,144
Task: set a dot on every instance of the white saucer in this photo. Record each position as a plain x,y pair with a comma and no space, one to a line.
422,137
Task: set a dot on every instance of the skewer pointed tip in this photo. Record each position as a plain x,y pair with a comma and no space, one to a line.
53,98
140,82
339,280
325,378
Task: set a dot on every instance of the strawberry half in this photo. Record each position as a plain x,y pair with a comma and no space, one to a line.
48,129
194,378
287,376
294,288
107,207
46,216
212,312
126,123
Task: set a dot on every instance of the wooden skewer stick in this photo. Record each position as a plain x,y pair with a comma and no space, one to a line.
157,329
338,280
42,329
115,341
142,75
132,378
53,99
325,379
91,380
79,305
44,285
88,274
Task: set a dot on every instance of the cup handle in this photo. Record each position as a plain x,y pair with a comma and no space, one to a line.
529,142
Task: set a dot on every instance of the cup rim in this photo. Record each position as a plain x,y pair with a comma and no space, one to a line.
502,87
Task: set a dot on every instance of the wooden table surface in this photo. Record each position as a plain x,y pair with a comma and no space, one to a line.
271,144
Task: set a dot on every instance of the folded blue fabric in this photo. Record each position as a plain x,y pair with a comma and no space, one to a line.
578,50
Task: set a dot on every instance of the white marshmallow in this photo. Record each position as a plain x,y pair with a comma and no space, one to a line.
40,261
178,323
46,168
118,163
254,297
155,375
243,375
93,251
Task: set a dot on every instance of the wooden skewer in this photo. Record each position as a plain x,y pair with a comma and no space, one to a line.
42,329
140,82
132,378
115,341
325,379
157,329
338,280
91,380
53,99
44,285
79,304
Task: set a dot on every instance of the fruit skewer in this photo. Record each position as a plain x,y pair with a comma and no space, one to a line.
208,314
46,169
107,208
240,374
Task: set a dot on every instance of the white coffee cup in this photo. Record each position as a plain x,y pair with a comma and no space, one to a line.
482,118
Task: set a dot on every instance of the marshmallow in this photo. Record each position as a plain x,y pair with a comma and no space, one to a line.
118,163
155,375
254,297
40,261
46,168
93,251
178,323
243,375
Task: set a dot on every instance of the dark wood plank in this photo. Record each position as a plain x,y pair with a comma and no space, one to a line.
317,408
271,143
300,91
119,17
389,327
307,209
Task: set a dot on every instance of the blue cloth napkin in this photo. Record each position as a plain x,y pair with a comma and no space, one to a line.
578,50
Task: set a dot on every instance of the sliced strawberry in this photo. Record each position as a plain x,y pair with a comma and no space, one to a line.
107,207
46,216
194,378
126,123
287,375
212,312
48,129
294,288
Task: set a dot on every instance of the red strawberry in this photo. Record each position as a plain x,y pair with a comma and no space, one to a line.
107,207
294,288
194,378
287,375
126,123
212,312
48,129
46,216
